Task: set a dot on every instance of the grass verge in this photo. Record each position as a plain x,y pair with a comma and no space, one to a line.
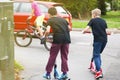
112,18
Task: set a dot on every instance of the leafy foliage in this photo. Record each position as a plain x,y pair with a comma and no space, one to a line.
102,6
18,66
79,8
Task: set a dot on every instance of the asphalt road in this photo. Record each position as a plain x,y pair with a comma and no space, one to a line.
35,56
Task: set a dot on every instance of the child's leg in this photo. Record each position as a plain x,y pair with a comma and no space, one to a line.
40,31
39,23
103,46
97,59
96,55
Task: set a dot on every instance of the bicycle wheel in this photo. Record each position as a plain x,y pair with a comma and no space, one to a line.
23,38
48,41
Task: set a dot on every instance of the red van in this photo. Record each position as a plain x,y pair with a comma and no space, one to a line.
22,9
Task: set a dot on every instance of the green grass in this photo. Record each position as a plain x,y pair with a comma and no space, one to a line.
18,66
79,23
112,18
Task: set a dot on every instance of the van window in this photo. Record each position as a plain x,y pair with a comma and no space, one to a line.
60,9
25,8
43,8
16,6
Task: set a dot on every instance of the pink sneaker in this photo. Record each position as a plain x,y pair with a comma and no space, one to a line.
99,74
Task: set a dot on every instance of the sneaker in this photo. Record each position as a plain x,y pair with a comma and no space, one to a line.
63,76
47,76
98,74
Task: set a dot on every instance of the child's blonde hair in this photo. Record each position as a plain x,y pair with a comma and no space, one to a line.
97,12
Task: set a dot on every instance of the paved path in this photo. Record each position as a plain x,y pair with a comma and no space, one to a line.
34,58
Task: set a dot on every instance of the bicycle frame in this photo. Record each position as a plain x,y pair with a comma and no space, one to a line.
32,29
23,38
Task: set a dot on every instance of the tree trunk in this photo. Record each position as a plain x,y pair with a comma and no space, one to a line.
102,6
79,15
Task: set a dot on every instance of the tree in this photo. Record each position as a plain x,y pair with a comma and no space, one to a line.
79,8
102,6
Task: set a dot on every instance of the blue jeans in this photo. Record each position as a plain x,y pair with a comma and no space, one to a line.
98,48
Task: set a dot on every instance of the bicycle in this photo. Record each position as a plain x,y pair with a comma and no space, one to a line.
23,38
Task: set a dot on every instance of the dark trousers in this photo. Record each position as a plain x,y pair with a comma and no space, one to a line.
64,50
98,48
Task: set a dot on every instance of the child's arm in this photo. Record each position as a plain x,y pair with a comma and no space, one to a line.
47,30
69,28
86,30
108,32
